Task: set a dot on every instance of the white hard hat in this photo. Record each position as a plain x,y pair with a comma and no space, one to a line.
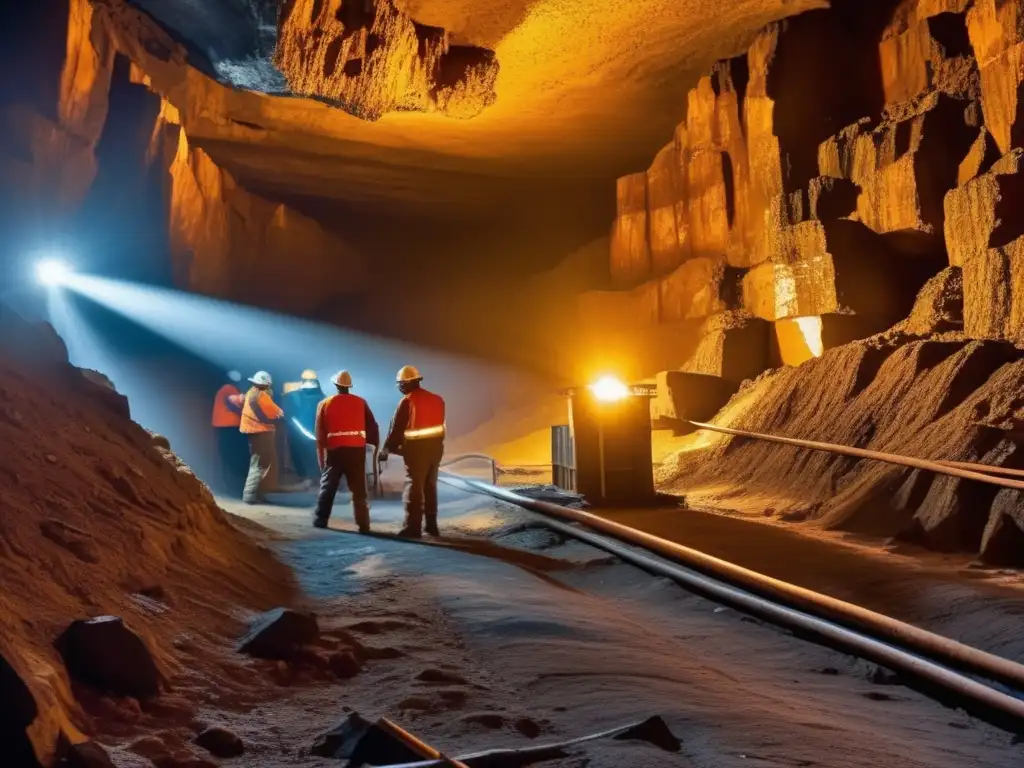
408,373
261,379
234,376
309,375
342,379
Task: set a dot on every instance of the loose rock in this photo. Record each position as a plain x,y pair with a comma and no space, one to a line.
344,664
220,742
88,754
279,634
362,742
105,654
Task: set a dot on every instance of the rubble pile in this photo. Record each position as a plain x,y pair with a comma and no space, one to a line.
121,575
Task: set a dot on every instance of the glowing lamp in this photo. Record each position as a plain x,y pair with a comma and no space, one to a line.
608,389
52,272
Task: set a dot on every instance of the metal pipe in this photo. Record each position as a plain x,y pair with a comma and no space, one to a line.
478,456
996,707
945,468
927,644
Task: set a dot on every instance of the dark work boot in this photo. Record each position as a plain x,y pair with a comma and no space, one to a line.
362,517
408,533
319,522
431,526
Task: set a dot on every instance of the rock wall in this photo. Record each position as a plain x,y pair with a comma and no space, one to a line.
372,58
225,240
823,177
230,243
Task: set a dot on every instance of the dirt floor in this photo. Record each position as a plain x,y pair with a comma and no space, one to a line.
523,638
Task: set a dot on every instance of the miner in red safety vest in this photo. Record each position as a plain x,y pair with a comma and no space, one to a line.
344,427
231,444
417,435
260,415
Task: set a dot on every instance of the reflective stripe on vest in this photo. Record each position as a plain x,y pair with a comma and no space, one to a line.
343,421
426,415
222,415
251,425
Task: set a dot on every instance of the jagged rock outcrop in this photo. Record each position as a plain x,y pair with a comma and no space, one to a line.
231,243
372,58
824,207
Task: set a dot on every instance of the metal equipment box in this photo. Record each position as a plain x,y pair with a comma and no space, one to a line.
608,456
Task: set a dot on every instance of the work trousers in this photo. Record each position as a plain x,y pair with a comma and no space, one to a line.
348,463
263,469
233,452
422,463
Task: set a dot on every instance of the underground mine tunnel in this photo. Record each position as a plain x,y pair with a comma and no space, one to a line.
470,382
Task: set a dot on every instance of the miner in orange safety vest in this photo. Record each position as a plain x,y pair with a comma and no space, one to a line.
260,415
417,435
344,427
231,444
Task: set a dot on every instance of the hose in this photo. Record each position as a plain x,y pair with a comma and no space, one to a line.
994,706
760,588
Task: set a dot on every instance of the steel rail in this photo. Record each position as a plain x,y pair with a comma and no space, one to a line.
925,656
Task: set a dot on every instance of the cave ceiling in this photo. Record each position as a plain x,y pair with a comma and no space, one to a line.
586,90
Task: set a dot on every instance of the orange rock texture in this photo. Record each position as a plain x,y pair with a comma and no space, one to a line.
372,58
225,240
823,204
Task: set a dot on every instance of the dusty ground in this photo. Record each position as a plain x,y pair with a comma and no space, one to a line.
560,641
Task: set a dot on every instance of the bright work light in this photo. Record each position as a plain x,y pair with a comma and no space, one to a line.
609,389
52,272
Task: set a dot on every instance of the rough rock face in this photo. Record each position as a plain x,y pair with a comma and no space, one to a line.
231,243
94,518
372,58
823,206
935,399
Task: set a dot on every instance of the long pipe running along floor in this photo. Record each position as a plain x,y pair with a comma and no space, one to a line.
906,649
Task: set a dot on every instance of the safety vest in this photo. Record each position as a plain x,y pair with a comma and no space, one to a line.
426,415
342,420
223,416
250,424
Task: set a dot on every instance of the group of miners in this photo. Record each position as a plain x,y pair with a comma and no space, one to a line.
329,436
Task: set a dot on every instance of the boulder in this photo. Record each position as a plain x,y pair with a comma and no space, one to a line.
220,742
362,743
279,634
105,654
732,346
344,664
34,344
685,396
88,754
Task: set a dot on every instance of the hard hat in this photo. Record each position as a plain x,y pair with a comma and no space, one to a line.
234,376
309,375
261,379
342,379
408,373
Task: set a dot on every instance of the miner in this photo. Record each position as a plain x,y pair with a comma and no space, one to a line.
231,446
344,427
260,415
417,435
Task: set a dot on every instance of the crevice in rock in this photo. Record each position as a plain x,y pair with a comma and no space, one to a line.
949,30
17,712
730,188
